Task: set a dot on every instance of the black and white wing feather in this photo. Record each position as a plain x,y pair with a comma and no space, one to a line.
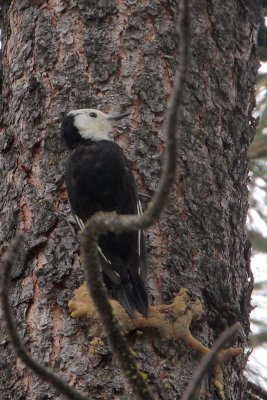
99,178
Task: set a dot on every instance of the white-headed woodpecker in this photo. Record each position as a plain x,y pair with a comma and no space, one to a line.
99,178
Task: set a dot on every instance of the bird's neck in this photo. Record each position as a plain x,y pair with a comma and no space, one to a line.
95,136
81,142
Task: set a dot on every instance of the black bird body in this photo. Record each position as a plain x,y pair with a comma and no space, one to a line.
99,178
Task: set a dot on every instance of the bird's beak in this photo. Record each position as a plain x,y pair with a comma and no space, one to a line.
119,116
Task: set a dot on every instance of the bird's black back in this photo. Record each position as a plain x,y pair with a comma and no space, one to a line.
99,178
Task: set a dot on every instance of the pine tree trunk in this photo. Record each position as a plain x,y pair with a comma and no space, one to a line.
62,55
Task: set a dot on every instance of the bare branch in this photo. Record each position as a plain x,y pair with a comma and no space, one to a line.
169,167
44,373
114,331
256,390
207,361
101,223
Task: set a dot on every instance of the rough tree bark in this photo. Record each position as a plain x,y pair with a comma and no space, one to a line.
121,55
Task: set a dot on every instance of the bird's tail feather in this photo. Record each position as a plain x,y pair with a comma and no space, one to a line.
124,295
140,296
132,297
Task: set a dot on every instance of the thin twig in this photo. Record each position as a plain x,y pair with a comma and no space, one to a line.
114,332
257,390
208,361
101,223
169,167
44,373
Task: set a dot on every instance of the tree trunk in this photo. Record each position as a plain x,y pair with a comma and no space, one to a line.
62,55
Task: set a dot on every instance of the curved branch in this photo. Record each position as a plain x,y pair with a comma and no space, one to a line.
100,223
207,361
44,373
160,198
257,390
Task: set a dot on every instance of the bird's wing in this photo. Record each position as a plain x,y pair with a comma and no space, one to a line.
99,178
109,271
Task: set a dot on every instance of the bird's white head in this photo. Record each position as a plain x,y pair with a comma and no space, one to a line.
94,124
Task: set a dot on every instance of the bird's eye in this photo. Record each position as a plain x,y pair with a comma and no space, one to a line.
92,114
